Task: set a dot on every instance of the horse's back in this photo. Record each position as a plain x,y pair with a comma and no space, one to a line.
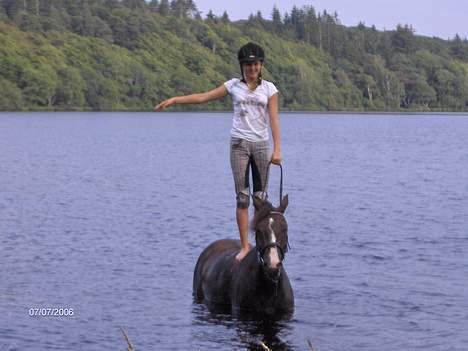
213,272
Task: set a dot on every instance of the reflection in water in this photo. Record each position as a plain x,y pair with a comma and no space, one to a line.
249,332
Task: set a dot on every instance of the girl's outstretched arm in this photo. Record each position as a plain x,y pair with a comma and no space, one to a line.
214,94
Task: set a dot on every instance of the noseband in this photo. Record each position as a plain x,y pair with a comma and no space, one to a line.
261,252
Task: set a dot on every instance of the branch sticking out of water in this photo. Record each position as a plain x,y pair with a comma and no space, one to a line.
266,348
127,339
310,345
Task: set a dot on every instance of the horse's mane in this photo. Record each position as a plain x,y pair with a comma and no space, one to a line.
261,214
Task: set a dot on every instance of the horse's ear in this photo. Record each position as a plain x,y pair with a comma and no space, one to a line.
283,204
258,202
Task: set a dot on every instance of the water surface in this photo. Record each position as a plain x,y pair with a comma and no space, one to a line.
106,213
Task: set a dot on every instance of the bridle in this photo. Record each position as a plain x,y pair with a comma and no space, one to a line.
261,253
261,250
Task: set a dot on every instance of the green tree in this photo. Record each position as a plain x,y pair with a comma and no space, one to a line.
403,39
210,16
418,92
459,48
11,8
39,85
276,19
70,90
3,13
135,4
101,94
349,97
164,8
27,22
154,5
11,97
225,18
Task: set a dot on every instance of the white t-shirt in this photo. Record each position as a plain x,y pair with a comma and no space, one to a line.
251,118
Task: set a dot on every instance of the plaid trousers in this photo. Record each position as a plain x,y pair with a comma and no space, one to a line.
248,155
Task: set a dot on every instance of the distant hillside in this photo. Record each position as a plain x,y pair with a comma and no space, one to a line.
128,55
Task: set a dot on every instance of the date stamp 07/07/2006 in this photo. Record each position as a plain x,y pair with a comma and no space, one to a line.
51,312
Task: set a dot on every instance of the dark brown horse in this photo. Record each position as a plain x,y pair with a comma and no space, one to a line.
258,285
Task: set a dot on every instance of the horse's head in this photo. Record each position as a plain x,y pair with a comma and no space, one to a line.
271,235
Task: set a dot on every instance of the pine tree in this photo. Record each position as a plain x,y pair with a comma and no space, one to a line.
225,17
154,5
164,8
3,13
177,8
403,39
192,9
31,7
12,7
276,18
134,4
210,16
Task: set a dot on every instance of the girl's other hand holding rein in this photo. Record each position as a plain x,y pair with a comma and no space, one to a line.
276,158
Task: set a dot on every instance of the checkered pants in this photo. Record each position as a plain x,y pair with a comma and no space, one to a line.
246,155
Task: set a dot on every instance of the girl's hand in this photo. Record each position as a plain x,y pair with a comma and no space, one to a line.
276,157
165,104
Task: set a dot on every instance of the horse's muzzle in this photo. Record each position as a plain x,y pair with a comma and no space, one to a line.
273,274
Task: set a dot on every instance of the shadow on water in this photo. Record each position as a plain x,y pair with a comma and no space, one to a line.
250,333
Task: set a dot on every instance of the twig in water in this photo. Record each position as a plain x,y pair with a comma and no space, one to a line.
310,345
266,348
130,346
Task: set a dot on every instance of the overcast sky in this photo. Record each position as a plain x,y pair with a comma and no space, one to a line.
428,17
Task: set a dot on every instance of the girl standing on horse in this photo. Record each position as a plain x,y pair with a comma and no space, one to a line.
255,103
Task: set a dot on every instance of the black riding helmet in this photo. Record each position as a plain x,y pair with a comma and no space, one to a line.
251,52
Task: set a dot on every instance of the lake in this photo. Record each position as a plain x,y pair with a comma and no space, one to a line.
104,215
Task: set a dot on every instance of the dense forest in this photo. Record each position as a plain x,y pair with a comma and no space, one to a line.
130,54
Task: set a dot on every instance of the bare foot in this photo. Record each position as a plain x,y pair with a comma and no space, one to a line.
242,253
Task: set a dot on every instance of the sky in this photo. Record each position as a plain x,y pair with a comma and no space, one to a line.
440,18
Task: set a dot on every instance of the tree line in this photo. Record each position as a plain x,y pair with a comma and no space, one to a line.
129,54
